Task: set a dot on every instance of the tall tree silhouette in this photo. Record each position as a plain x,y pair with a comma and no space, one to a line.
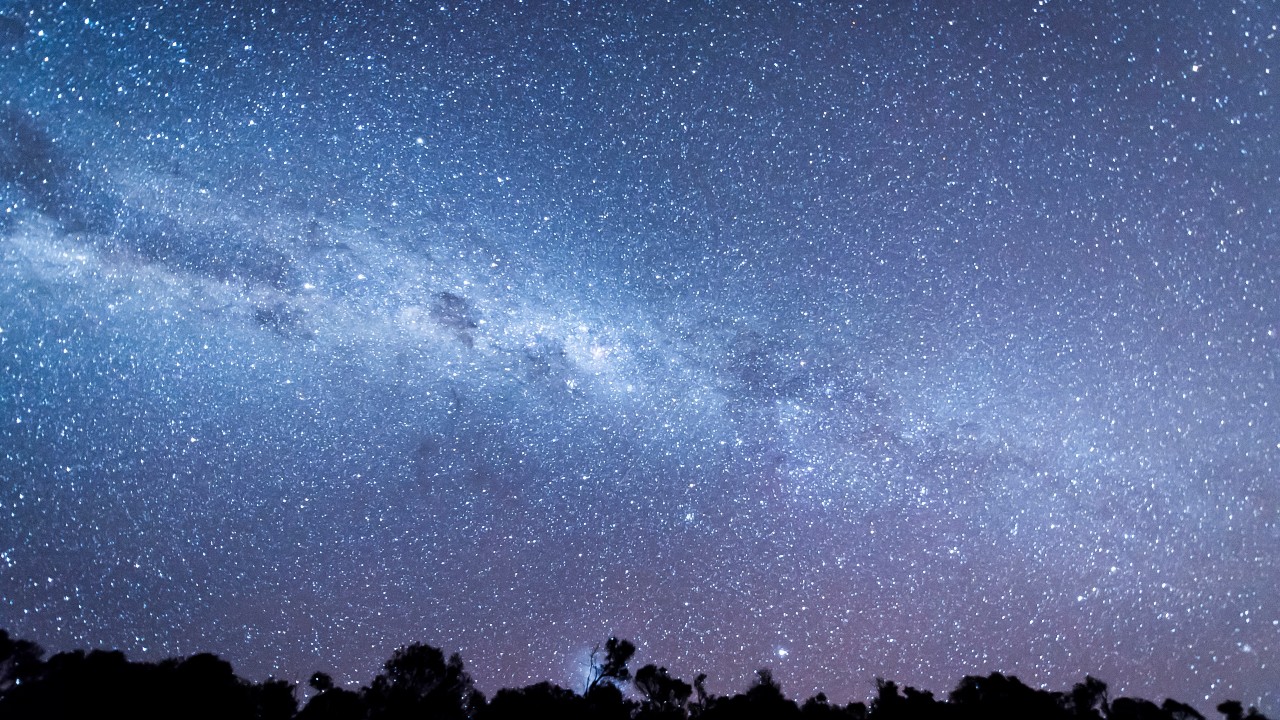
612,668
419,682
603,696
1088,699
704,698
888,704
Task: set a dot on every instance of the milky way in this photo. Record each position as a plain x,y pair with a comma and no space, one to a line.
911,340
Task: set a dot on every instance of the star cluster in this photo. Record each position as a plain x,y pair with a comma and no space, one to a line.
910,340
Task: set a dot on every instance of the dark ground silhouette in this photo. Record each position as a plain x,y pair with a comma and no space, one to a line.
420,683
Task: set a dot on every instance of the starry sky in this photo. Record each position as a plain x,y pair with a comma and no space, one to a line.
902,339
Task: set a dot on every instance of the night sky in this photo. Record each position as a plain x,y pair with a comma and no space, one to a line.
900,339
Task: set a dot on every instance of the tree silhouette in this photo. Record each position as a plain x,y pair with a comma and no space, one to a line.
1179,711
611,669
203,687
704,698
321,682
664,696
543,700
1126,708
762,701
1088,699
1231,709
606,702
1001,697
19,661
210,685
819,707
332,702
274,699
419,682
888,703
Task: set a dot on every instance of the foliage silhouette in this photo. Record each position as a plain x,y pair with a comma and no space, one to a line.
20,661
892,704
1233,710
1126,708
605,701
332,702
203,687
819,707
418,682
1179,711
664,696
1001,697
762,701
1088,699
611,669
544,699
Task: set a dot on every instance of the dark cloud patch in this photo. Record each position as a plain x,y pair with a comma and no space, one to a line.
456,313
283,319
545,359
47,179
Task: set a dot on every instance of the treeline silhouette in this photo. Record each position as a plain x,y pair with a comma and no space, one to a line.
420,683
